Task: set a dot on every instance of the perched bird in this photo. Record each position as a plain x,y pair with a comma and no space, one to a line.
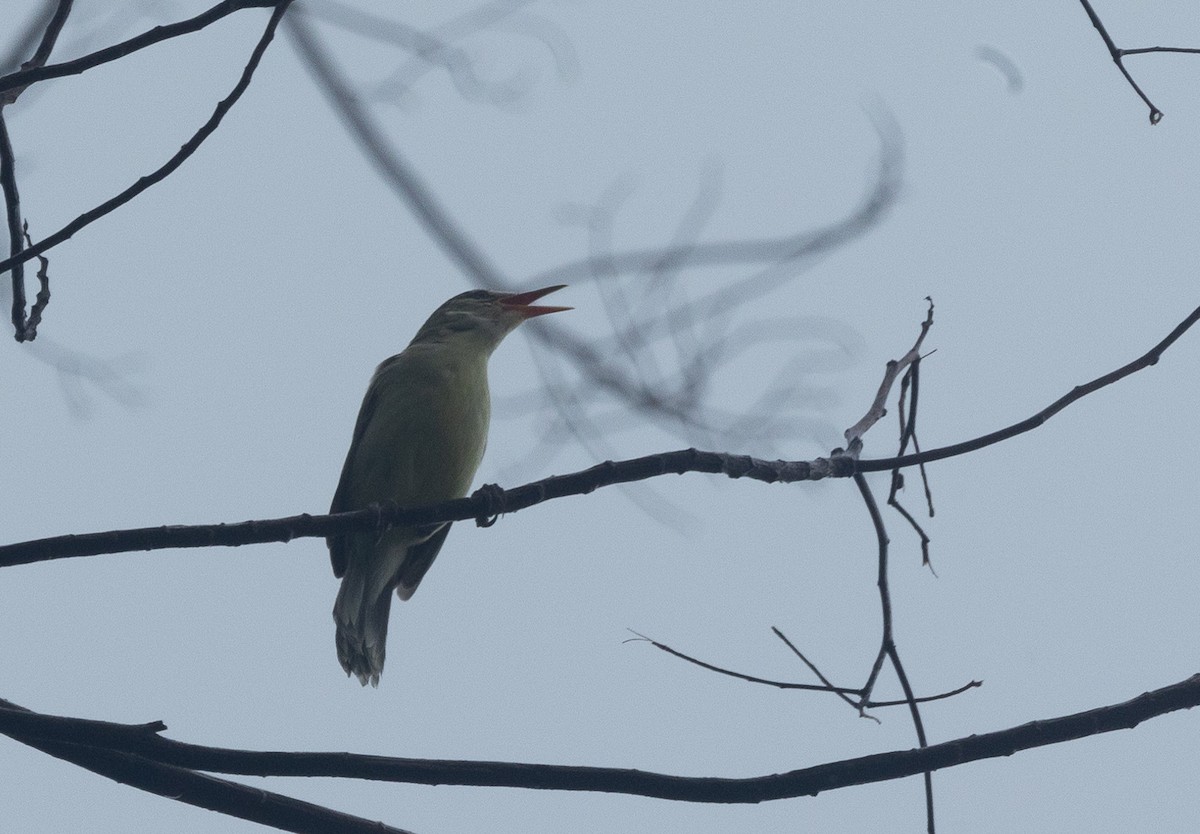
419,438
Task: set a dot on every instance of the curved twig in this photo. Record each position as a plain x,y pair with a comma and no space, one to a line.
825,686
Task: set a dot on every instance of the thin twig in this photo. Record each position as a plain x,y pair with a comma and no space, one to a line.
1118,55
843,694
27,38
914,710
42,54
166,169
12,217
885,598
1147,359
50,36
895,367
895,504
887,639
43,297
825,686
907,413
908,427
21,79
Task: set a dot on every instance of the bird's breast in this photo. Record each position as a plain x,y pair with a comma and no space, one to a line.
428,434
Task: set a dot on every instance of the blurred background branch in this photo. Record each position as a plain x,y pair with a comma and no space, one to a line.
667,340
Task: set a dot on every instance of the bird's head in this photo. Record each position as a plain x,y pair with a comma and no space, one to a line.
483,316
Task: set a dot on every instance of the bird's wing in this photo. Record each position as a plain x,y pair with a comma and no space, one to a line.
338,544
417,561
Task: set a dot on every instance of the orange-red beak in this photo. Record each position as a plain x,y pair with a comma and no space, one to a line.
522,302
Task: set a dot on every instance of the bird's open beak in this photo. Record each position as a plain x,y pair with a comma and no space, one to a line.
521,302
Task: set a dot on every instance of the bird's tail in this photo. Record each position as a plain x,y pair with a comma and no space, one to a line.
361,614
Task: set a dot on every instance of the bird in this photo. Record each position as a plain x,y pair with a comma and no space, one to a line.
419,438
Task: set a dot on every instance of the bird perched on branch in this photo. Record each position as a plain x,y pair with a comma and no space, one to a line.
419,438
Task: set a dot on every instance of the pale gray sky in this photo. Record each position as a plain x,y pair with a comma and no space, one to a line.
241,306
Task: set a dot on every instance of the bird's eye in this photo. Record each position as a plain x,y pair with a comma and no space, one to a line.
459,321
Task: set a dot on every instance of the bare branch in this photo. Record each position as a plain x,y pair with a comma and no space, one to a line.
894,368
887,639
43,297
12,217
907,415
813,668
25,40
20,80
50,36
485,503
166,169
1147,359
825,686
100,754
885,600
807,781
1118,56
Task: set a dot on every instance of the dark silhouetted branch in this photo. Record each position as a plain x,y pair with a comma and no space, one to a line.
895,368
907,413
824,686
1146,360
13,222
26,39
887,647
95,746
21,79
50,37
485,503
189,147
1118,56
809,781
53,28
43,296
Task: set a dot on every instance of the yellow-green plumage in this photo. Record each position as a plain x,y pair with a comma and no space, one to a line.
419,439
